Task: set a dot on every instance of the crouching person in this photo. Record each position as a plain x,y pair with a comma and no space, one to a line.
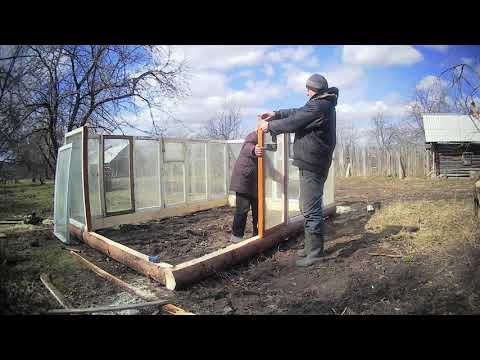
244,183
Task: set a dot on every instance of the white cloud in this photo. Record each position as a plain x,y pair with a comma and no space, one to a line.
380,55
439,48
246,73
295,54
221,57
269,70
344,77
361,112
431,81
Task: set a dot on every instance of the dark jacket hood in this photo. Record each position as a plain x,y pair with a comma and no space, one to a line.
331,94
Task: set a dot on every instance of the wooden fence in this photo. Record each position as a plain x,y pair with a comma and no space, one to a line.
411,160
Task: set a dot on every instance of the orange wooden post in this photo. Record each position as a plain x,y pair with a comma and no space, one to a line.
261,184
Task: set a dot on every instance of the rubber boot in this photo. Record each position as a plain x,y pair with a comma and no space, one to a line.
304,252
316,250
236,239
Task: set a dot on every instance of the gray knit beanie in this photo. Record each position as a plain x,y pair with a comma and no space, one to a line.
317,83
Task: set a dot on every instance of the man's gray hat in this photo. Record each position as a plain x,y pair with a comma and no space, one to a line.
317,82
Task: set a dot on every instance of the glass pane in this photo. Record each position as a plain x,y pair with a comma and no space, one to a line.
147,174
94,177
117,175
174,185
75,187
197,189
61,195
174,151
216,169
273,172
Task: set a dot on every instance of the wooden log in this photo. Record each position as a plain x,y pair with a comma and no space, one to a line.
102,273
45,278
121,253
169,308
106,308
194,270
387,255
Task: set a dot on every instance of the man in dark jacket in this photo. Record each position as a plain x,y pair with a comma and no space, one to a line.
244,183
314,126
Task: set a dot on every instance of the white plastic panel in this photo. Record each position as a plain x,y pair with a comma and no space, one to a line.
196,170
174,183
293,190
174,151
329,188
147,173
274,174
94,175
216,170
75,189
61,203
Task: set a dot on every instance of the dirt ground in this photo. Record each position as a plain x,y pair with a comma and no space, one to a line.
427,224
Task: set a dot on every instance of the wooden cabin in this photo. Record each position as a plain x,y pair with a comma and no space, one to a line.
453,141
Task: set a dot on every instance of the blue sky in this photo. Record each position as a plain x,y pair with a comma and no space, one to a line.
370,78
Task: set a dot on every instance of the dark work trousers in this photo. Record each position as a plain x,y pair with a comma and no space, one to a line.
311,195
243,203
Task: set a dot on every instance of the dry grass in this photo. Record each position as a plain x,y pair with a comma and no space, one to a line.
443,225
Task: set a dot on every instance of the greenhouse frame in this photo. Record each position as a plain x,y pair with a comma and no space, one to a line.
108,180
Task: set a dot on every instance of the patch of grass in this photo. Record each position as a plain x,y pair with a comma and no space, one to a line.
25,197
442,224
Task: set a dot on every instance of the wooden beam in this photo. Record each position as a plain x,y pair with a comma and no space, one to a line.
107,276
261,192
86,190
106,308
194,270
169,308
45,278
122,254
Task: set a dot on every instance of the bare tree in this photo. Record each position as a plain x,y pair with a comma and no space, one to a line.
225,124
464,80
428,99
67,86
383,131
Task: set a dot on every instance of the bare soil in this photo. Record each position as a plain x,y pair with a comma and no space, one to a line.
441,278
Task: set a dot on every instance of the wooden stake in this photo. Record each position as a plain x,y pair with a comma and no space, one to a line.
106,308
107,276
387,255
45,278
261,197
170,308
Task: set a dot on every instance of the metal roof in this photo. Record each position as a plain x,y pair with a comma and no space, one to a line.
451,128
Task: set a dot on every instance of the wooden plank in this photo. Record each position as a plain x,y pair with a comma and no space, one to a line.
45,278
105,275
86,190
170,308
261,193
286,145
194,270
106,308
